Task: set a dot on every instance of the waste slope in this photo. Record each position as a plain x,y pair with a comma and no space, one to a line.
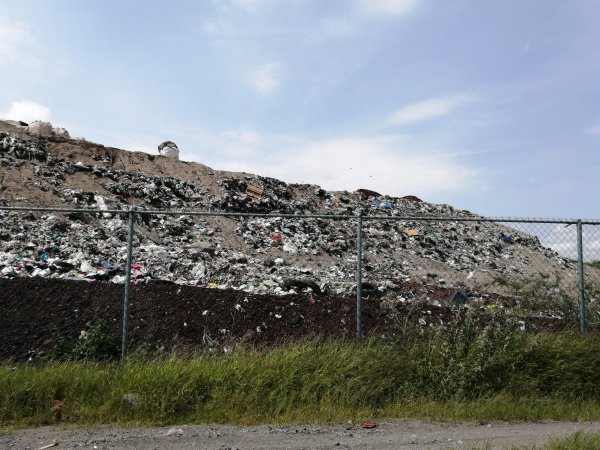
254,254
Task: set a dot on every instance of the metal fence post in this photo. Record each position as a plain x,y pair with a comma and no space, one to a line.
581,277
124,340
359,254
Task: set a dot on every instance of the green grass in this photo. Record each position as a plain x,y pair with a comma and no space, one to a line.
576,441
455,373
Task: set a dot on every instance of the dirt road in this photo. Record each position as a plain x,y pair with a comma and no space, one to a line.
387,435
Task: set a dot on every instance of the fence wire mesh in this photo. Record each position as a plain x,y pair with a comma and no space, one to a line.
524,263
72,245
591,275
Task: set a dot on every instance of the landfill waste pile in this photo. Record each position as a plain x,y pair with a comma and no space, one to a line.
221,280
254,254
12,146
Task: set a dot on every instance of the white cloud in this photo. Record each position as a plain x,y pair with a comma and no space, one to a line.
239,144
229,20
337,27
16,42
593,130
560,238
387,7
564,248
426,109
267,78
249,5
390,164
217,28
27,111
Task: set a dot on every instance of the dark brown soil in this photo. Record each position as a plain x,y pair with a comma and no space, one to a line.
35,311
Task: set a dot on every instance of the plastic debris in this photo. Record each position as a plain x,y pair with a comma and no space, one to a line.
169,149
175,432
44,447
507,238
255,189
40,128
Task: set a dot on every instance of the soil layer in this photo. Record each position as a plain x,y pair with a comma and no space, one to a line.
34,312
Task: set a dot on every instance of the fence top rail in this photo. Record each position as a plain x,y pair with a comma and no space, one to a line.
173,212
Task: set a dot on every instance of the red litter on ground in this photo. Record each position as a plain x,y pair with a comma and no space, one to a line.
276,237
370,425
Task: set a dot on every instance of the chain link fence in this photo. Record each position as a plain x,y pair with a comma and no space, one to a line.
542,262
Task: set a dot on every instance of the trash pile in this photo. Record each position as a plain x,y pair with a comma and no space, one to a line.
254,254
13,147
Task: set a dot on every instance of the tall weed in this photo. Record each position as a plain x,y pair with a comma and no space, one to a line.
469,368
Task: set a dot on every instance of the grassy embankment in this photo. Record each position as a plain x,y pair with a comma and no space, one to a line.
458,372
576,441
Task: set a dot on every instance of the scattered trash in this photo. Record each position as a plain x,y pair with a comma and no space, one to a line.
458,298
370,425
169,149
255,189
507,238
301,285
175,432
131,400
56,409
40,128
54,444
61,132
385,204
368,193
21,149
17,123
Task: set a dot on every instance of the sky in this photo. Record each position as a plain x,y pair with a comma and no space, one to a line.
489,106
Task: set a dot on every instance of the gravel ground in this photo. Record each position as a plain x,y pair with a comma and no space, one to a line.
387,435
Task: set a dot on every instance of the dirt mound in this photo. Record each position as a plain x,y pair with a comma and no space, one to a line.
35,312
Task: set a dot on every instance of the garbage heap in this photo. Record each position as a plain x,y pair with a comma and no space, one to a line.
11,148
253,254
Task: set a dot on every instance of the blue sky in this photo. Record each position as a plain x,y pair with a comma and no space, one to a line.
489,106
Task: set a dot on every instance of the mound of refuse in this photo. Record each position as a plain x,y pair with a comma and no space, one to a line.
251,253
